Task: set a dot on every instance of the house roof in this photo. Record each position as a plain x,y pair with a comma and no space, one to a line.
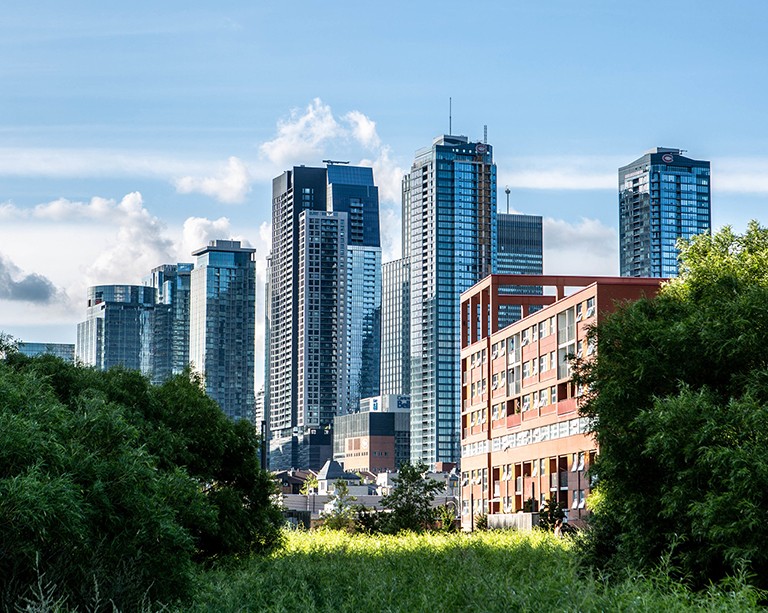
332,470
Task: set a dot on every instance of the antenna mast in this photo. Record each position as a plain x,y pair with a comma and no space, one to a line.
450,115
506,191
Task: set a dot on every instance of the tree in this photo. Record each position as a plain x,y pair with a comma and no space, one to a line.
342,513
679,406
410,502
108,483
551,512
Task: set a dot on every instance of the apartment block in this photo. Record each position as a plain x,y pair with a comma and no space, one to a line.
522,439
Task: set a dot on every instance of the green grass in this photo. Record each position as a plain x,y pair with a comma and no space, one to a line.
490,571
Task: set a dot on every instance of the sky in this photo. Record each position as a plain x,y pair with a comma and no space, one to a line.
131,135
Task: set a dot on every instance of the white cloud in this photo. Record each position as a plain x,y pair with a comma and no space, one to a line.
89,162
197,232
391,234
387,174
139,245
231,185
585,248
300,137
363,129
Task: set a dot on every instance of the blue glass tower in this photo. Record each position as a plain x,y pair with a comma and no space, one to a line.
449,210
118,329
520,252
170,353
663,196
351,191
222,331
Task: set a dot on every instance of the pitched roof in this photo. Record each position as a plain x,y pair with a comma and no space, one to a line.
332,470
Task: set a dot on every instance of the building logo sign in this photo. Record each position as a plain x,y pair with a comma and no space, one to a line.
481,148
667,158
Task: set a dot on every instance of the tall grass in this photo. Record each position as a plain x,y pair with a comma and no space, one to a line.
491,571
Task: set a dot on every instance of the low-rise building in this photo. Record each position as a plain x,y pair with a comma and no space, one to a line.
523,441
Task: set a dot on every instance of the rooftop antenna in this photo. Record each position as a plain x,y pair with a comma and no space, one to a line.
485,134
450,115
506,191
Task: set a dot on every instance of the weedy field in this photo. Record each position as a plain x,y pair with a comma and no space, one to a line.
487,571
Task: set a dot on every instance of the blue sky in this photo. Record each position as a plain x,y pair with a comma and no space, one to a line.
131,135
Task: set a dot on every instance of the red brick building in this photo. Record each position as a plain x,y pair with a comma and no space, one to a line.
522,440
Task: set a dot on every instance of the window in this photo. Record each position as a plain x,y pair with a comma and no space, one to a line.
579,313
590,307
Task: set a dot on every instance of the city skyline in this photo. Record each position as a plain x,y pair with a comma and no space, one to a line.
127,143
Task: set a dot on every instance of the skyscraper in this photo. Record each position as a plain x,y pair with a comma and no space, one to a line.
396,328
170,346
351,190
325,307
223,324
118,329
663,196
449,206
520,252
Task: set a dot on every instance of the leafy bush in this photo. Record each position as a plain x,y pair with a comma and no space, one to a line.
110,488
410,502
678,402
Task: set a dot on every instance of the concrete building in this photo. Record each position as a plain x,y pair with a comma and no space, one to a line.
522,439
663,196
449,231
223,325
377,439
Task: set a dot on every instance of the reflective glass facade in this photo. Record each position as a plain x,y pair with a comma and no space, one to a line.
170,352
520,252
118,329
663,196
396,327
449,204
65,351
223,325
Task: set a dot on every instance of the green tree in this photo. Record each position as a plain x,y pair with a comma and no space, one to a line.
108,483
679,406
410,502
551,512
310,485
342,513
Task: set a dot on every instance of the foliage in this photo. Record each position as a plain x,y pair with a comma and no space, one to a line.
111,487
551,512
679,406
410,501
483,571
310,485
481,522
445,515
342,513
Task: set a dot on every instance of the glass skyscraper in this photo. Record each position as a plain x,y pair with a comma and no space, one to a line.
663,196
118,329
223,325
325,307
170,354
396,328
449,214
520,252
351,190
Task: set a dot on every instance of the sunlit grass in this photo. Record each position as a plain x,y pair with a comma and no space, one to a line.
490,571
